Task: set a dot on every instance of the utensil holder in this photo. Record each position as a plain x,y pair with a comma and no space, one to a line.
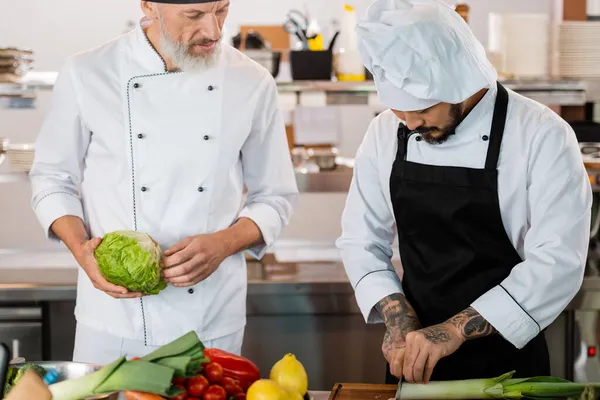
311,65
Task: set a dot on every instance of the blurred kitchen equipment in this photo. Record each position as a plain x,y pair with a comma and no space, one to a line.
255,41
325,158
21,156
347,63
593,10
293,29
15,63
578,54
311,65
236,41
3,149
519,44
72,370
4,355
271,60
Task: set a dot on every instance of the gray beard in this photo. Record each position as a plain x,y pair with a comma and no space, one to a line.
180,55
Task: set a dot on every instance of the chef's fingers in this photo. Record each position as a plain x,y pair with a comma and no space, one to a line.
182,244
176,260
396,362
92,244
118,292
412,352
184,273
429,365
419,365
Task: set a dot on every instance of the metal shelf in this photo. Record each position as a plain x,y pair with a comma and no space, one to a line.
546,91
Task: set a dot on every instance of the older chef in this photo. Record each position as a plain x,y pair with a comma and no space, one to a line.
159,131
487,192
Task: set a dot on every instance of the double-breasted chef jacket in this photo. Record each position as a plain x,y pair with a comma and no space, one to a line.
169,154
544,197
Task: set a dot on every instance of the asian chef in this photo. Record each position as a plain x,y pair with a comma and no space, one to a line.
162,129
486,191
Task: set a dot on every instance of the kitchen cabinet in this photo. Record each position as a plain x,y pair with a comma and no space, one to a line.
21,329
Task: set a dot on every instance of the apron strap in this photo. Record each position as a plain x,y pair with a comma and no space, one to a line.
402,135
498,123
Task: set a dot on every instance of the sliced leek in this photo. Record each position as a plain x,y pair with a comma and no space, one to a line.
502,387
153,373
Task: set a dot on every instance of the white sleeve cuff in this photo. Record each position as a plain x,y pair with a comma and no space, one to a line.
374,287
269,223
54,205
510,320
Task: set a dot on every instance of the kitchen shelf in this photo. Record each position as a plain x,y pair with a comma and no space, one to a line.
563,92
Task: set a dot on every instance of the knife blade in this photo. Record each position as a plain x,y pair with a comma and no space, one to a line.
400,382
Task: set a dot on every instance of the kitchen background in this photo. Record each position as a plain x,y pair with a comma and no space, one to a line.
56,29
307,306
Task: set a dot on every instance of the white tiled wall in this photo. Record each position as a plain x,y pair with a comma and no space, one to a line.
55,29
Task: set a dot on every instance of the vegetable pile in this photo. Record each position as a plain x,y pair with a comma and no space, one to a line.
13,375
132,260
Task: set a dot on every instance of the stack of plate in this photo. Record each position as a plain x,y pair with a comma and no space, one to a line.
14,64
21,156
579,49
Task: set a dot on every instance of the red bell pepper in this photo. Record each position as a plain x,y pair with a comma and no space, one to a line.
234,366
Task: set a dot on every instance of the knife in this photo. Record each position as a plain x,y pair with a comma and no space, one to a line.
400,382
4,355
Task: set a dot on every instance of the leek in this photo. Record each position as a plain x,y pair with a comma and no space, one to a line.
153,373
502,387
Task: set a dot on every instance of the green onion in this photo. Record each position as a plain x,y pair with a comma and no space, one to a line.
502,387
153,373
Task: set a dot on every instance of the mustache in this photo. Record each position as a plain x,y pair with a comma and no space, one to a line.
426,130
203,42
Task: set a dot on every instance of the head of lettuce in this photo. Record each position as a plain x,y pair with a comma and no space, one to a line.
132,260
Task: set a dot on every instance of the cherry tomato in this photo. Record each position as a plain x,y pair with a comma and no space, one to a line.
197,385
179,381
215,392
230,386
135,359
214,372
239,396
181,396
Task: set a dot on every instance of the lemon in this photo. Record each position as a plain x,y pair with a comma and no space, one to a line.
290,374
266,389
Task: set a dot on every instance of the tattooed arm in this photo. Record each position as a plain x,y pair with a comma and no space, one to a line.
425,347
400,319
471,325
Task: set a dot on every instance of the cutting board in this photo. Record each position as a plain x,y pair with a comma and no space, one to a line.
362,391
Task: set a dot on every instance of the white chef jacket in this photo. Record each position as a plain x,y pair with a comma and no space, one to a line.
545,200
168,154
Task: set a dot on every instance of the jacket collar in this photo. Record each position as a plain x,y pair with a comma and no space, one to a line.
145,53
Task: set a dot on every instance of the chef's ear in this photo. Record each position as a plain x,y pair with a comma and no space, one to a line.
150,9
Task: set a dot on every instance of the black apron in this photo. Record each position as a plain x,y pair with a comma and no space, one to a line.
454,248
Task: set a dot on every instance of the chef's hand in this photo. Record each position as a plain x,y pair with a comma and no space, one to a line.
425,347
193,259
84,256
394,346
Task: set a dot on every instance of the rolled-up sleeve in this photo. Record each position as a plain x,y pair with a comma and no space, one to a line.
268,172
555,246
59,156
368,233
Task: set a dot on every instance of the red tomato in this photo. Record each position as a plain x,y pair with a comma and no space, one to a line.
179,381
197,385
214,372
239,396
193,398
181,396
230,385
215,392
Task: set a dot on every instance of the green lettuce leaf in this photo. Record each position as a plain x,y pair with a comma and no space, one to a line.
131,259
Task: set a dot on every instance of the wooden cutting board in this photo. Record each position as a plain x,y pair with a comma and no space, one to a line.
360,391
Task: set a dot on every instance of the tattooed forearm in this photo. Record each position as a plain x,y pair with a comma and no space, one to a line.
471,324
398,315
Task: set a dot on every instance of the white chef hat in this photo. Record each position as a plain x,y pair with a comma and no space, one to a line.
421,53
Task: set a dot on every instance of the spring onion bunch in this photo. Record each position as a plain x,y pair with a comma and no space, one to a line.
151,374
502,387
